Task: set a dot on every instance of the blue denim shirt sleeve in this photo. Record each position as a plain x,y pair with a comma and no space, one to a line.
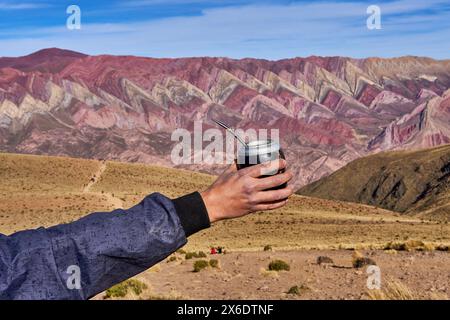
103,248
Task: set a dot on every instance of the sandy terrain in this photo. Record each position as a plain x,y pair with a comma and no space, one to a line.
43,191
242,276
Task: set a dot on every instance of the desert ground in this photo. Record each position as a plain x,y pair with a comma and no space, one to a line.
412,253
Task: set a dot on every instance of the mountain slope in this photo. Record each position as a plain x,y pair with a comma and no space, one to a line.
329,111
413,182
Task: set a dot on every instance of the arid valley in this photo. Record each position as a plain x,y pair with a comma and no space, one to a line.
412,253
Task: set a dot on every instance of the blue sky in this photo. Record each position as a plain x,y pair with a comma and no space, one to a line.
234,28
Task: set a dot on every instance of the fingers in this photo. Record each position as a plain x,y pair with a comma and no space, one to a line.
263,168
274,181
231,168
272,195
270,206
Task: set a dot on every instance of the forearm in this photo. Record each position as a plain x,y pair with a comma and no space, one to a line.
106,247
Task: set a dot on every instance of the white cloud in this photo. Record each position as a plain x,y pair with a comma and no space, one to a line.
142,3
19,6
261,31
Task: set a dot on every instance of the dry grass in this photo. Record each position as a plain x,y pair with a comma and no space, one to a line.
146,179
394,290
53,194
268,273
411,245
129,287
26,173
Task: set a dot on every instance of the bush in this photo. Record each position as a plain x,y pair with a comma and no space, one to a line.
136,286
279,265
409,246
364,261
214,263
360,261
172,258
294,290
324,260
399,246
120,290
297,290
200,264
181,251
190,255
268,248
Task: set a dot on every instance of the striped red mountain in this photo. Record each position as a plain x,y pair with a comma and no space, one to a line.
329,110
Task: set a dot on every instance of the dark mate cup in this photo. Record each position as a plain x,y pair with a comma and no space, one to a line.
261,151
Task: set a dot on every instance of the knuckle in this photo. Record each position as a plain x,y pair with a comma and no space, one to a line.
241,173
248,206
248,187
280,179
252,201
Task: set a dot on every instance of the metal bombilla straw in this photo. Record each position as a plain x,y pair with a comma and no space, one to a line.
231,130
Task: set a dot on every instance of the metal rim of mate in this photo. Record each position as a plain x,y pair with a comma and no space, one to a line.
258,151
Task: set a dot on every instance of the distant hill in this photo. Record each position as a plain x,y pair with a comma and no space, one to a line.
329,110
412,182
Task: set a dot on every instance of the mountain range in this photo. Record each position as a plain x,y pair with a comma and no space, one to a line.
329,110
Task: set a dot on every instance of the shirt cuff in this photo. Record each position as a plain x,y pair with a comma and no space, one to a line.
192,213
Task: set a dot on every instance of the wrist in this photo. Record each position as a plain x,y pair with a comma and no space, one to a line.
211,208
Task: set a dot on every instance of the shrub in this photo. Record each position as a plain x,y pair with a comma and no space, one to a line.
190,255
409,246
136,286
214,263
279,265
120,290
200,264
294,290
442,247
297,290
172,258
268,247
193,254
360,261
324,260
399,246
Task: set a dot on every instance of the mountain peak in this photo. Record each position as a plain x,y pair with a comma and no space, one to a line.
45,60
56,52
